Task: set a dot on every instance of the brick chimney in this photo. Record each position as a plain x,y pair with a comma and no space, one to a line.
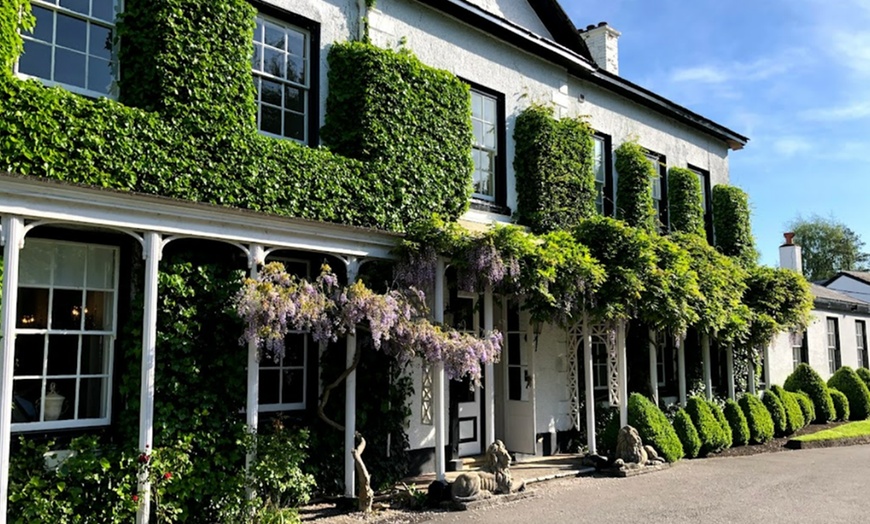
602,41
790,254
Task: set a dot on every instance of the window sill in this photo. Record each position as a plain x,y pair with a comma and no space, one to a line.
27,427
489,207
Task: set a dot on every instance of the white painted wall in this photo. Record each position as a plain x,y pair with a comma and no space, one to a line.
517,11
551,374
419,435
854,288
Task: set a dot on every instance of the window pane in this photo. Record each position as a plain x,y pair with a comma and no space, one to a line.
101,268
489,136
296,69
273,62
294,99
478,131
63,355
294,386
270,92
99,75
270,380
32,308
69,67
514,349
79,6
71,32
489,109
294,126
258,31
103,9
257,59
296,43
35,263
270,120
29,355
94,358
275,37
476,105
44,24
35,60
294,350
60,396
92,392
101,42
98,311
66,309
515,383
25,400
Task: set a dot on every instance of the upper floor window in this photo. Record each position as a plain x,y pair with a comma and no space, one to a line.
282,76
601,165
833,336
487,119
71,45
659,188
65,332
799,349
704,180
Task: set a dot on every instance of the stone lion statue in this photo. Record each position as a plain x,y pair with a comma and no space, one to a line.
629,447
496,479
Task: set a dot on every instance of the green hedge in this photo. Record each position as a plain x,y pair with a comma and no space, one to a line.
757,419
841,404
723,423
777,413
687,434
864,374
653,427
554,170
804,378
807,408
685,210
737,422
793,414
731,223
185,127
635,203
848,382
709,431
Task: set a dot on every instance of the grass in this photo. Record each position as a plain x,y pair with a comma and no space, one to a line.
850,430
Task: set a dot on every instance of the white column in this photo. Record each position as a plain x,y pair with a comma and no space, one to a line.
751,378
766,368
13,237
153,250
708,368
489,372
256,256
439,401
588,380
729,364
350,399
622,370
653,368
681,369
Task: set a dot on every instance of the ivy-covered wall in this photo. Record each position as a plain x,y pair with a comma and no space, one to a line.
184,126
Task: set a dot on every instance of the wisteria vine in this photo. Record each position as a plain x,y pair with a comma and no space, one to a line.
277,302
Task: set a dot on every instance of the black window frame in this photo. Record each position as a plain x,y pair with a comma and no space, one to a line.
609,186
499,205
313,28
838,359
707,190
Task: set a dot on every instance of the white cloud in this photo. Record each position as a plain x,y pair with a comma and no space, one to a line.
854,111
705,74
761,69
791,145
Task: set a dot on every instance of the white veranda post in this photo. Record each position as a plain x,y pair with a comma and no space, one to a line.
588,379
766,366
13,238
350,398
622,367
729,364
153,248
438,383
708,367
256,256
681,369
653,368
489,372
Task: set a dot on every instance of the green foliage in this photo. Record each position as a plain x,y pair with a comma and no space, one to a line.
608,431
635,205
95,484
685,209
277,472
757,419
731,224
185,127
723,423
780,300
670,289
712,436
807,408
863,374
653,427
804,378
737,422
793,413
777,413
847,381
841,404
554,170
828,246
14,17
686,432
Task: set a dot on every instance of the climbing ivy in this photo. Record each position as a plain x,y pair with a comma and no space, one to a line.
554,170
635,202
731,224
684,202
780,300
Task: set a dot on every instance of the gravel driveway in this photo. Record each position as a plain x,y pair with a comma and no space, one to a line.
810,486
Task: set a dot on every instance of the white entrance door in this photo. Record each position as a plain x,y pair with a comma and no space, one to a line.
466,318
519,382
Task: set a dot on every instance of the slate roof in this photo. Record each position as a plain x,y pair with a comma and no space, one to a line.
830,299
863,276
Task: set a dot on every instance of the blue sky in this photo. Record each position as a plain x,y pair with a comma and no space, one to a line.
792,75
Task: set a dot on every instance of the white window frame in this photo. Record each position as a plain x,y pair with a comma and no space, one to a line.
600,372
655,183
479,147
599,163
268,364
109,340
523,364
833,343
113,64
861,342
304,87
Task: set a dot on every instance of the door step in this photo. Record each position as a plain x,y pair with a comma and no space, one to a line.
473,463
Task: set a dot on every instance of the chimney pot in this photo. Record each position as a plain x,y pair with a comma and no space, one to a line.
789,238
790,254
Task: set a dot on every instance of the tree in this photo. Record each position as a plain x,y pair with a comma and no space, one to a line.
828,247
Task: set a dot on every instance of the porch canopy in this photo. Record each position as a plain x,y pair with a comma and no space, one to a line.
29,202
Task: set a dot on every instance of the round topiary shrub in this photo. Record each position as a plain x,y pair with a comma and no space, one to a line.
723,423
841,404
777,412
757,418
804,378
848,382
687,434
807,407
794,416
709,431
654,428
864,374
737,423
